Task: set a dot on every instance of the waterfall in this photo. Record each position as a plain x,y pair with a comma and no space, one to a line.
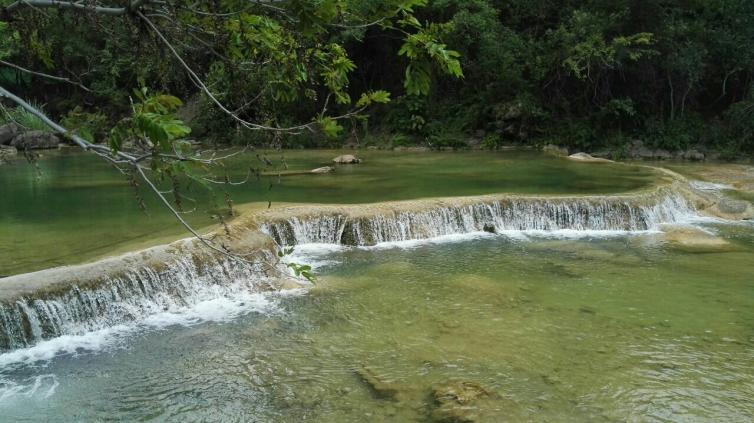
53,303
624,213
82,308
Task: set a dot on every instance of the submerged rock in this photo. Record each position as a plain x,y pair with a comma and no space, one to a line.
693,239
346,159
380,387
35,140
7,133
584,157
324,169
455,402
729,205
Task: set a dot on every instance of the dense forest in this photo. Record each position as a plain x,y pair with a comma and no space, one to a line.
591,75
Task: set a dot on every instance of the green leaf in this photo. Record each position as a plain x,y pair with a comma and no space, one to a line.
329,127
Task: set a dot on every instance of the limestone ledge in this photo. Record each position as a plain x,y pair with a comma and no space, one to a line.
245,238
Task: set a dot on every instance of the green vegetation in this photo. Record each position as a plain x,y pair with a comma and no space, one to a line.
587,74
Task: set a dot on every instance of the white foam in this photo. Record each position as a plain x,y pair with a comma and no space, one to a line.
312,254
221,309
709,186
43,385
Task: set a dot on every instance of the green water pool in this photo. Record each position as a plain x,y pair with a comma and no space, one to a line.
71,207
542,329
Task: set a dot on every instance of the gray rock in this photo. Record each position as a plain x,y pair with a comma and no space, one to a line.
604,154
731,206
661,154
694,155
35,140
7,133
346,159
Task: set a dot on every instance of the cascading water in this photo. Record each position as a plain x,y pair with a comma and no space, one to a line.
518,214
135,295
88,305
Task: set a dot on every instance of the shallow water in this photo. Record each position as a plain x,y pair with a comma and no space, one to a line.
72,207
616,328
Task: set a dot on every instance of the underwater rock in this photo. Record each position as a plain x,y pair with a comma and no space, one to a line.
584,157
324,169
693,239
726,208
380,387
35,140
7,133
454,402
346,159
729,205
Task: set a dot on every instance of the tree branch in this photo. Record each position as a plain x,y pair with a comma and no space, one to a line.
113,11
44,75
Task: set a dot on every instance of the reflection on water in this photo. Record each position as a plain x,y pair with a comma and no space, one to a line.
490,329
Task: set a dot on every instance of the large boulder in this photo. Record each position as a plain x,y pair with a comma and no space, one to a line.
34,140
346,159
7,133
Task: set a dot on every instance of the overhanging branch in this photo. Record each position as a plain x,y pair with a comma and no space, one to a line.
115,11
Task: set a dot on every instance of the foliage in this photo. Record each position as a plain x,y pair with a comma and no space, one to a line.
153,123
300,270
591,74
22,118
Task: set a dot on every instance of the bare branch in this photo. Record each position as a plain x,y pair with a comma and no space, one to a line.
44,75
77,5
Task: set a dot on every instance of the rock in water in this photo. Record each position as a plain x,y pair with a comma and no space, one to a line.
693,239
324,169
35,140
455,402
381,388
730,209
346,159
7,133
583,157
